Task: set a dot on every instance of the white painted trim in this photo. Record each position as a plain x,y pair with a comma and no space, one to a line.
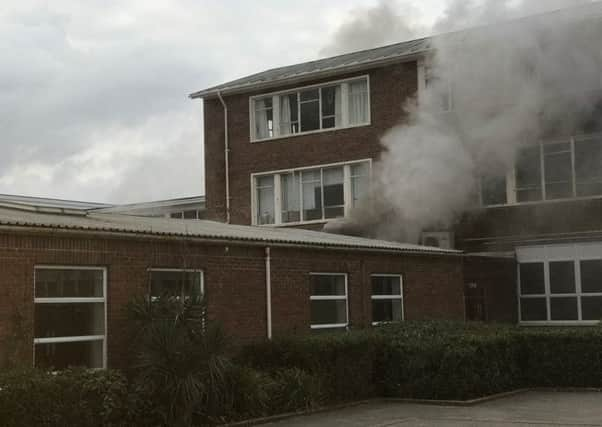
331,298
103,300
392,297
278,191
58,340
277,94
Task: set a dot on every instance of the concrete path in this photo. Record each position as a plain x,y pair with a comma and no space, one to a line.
536,409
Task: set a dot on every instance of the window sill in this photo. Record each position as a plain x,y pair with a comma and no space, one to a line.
540,202
560,323
332,326
390,322
297,224
311,132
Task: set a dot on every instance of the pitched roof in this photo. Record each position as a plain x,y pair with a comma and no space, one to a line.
209,230
350,61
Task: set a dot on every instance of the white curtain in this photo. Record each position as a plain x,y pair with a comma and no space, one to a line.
285,115
337,107
261,120
358,102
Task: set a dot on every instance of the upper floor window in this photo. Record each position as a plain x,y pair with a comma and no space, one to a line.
334,105
549,171
309,194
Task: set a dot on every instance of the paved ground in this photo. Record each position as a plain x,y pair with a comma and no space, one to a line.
526,409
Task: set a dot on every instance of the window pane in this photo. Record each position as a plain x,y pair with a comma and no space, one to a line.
265,200
328,312
331,106
334,197
559,170
562,277
290,197
87,354
533,309
263,118
358,102
591,308
591,276
386,285
190,214
359,182
68,320
177,215
183,284
51,283
588,167
564,308
493,190
532,279
327,285
289,114
528,174
312,195
386,310
310,110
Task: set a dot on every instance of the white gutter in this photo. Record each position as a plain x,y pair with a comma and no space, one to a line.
268,291
226,156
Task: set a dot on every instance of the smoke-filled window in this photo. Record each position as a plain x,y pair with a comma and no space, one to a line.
493,190
332,106
265,199
387,299
309,194
558,170
588,166
528,174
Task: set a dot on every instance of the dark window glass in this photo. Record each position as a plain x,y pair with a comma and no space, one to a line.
176,215
562,277
327,285
386,285
591,276
591,308
528,174
334,196
190,214
180,284
493,190
532,279
87,354
51,283
533,309
386,310
326,312
564,308
588,167
329,107
310,110
68,320
312,195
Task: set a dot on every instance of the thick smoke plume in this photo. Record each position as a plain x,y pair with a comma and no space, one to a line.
513,81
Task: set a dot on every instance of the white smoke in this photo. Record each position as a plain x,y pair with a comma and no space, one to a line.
512,83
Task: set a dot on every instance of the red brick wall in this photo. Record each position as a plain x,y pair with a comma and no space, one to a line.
234,283
390,87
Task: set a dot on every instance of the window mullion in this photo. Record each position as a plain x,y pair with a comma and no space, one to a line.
322,192
299,112
344,104
347,195
276,115
277,200
320,106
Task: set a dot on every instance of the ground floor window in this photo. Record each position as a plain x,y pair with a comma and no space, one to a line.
328,298
69,317
560,284
387,298
181,284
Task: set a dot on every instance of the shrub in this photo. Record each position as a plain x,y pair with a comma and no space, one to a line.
71,397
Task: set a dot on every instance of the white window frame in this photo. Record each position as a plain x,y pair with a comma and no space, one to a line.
84,338
278,192
276,109
176,270
511,188
423,67
558,253
388,297
331,298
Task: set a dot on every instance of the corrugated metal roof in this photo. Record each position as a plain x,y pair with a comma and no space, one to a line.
51,203
103,222
311,68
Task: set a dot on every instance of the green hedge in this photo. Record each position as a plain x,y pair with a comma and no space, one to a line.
438,360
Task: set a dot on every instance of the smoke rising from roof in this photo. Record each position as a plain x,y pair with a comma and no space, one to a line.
506,84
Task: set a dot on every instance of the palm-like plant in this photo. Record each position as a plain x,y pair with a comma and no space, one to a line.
180,358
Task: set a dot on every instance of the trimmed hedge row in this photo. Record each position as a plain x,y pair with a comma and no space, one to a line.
438,360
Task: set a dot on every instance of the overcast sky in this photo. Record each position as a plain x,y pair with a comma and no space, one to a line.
93,94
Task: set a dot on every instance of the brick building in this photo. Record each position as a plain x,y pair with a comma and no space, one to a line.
66,279
295,146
